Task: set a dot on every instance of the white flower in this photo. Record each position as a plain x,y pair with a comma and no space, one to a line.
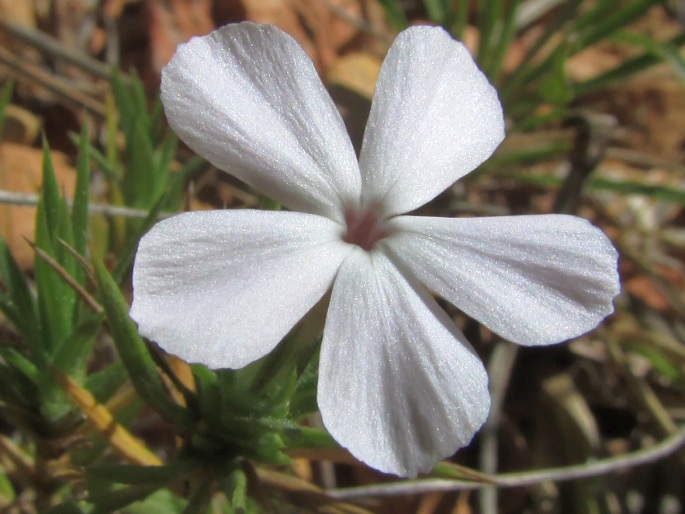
399,385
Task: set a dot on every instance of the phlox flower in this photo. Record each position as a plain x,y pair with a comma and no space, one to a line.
399,385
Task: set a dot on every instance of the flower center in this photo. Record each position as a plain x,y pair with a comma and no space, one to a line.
364,228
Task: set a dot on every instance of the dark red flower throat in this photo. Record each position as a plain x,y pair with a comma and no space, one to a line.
364,228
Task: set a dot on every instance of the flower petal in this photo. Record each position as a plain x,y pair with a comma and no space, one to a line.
434,118
224,287
399,386
248,99
532,279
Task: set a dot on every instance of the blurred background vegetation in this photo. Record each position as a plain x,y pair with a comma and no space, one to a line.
93,419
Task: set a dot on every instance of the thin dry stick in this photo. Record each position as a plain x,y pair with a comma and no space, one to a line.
25,70
642,159
499,369
54,47
66,276
520,479
358,23
31,200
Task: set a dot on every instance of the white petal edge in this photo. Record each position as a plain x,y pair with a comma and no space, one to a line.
399,385
247,98
534,280
434,118
222,288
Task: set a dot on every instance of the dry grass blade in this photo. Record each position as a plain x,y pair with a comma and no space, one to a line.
104,423
51,46
574,472
26,71
15,198
14,458
64,275
338,456
642,392
80,259
305,489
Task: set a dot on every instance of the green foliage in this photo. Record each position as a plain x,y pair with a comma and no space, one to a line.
541,76
5,97
142,173
58,321
632,66
133,352
160,501
395,14
56,331
568,28
145,174
230,415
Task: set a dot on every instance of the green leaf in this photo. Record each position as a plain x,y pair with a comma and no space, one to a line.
104,384
553,27
138,185
164,156
177,182
127,254
128,112
72,354
200,499
303,400
156,120
438,11
395,14
661,363
56,300
665,51
21,364
162,501
655,191
461,17
20,393
7,492
208,393
5,98
17,301
506,33
11,312
133,352
490,17
269,204
537,76
236,488
307,437
108,502
141,475
168,199
79,211
626,69
51,203
139,101
69,507
554,87
107,168
606,18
